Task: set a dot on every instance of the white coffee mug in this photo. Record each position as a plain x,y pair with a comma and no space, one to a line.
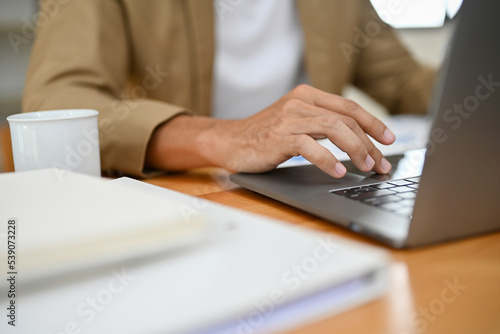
66,139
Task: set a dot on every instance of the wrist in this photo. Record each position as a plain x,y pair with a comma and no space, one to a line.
213,143
178,144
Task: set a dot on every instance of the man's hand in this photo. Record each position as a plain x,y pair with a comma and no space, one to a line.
289,128
285,129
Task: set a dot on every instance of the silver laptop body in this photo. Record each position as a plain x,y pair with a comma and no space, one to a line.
457,194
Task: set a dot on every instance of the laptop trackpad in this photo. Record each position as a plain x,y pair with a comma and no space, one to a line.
406,165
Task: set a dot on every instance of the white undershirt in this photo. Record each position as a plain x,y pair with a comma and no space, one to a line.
258,56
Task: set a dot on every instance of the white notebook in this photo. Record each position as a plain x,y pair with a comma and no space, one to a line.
251,275
67,222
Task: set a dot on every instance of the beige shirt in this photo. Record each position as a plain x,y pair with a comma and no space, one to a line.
140,63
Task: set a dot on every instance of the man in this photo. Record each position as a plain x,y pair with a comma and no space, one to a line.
148,67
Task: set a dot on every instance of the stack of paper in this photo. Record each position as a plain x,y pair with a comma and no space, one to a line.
252,275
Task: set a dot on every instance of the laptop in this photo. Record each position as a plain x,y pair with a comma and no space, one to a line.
447,191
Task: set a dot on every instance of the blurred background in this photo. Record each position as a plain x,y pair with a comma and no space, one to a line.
16,38
423,25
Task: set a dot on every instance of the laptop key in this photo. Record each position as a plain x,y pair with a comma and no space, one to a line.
415,179
400,182
383,186
413,186
403,189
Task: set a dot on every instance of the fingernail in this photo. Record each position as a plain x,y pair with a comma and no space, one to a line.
389,136
369,162
340,169
385,165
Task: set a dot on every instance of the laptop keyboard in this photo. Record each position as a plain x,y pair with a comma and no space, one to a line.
396,196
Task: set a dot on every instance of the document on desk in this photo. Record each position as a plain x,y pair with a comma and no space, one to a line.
251,275
58,222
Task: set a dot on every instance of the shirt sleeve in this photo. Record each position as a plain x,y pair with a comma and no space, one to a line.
81,59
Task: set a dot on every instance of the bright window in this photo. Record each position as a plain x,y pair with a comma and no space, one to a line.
416,13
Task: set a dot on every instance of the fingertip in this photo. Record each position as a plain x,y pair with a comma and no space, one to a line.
369,162
385,166
340,170
389,136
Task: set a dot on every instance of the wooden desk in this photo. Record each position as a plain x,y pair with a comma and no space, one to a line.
420,299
